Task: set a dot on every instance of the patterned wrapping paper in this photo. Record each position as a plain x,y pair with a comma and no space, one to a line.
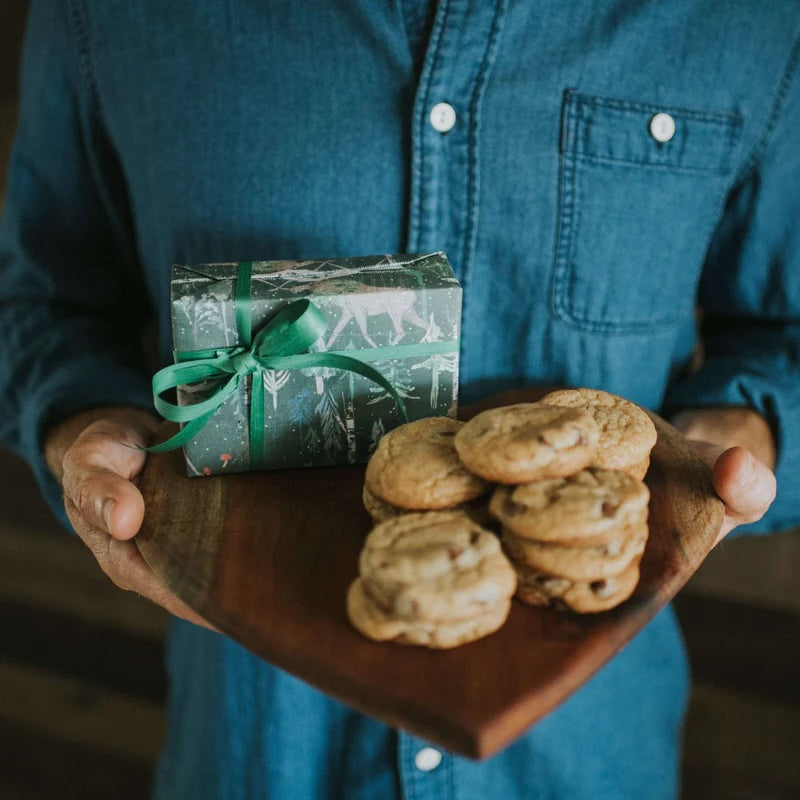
323,416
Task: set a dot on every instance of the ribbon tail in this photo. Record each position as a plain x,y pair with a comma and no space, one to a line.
173,376
257,421
194,416
183,436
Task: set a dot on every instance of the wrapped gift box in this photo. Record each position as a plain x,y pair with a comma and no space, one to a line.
400,315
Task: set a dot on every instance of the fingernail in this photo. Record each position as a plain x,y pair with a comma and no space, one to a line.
108,505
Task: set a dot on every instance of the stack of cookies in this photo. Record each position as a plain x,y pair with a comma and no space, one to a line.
561,481
577,540
435,578
572,504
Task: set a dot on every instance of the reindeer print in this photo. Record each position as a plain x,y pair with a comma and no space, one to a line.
397,305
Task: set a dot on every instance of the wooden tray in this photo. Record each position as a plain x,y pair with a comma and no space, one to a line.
267,558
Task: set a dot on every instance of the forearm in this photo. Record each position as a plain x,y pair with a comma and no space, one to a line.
730,427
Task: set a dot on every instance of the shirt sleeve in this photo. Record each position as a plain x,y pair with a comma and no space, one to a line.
750,299
72,302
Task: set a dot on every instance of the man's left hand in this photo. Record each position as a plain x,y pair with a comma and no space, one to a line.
738,446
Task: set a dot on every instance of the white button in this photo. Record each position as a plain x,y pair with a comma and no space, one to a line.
427,759
443,117
662,127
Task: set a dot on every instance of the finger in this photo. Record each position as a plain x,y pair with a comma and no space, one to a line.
745,484
98,469
128,569
132,573
122,562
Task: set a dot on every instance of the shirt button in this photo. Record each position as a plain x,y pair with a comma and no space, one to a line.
443,117
662,127
427,759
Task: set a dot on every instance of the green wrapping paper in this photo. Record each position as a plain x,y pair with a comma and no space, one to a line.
397,315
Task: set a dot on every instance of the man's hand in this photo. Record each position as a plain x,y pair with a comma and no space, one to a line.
738,446
90,454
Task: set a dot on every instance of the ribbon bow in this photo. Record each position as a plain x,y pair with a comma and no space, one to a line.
281,344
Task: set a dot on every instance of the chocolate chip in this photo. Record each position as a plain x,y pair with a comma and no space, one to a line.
604,588
510,508
609,509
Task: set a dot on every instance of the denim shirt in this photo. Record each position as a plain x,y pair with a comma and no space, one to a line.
598,171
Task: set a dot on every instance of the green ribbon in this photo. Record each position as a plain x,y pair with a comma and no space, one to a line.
281,344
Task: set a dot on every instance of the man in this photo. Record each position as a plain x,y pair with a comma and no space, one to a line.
592,171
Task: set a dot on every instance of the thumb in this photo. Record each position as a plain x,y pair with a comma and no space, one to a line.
745,484
98,471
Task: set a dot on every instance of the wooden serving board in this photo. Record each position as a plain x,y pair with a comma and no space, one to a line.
267,558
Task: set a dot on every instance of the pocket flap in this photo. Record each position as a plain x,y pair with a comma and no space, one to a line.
618,131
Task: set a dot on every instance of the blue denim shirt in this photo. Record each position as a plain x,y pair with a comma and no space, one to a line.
583,235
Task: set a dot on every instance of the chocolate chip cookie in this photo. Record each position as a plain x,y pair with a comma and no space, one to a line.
433,578
627,434
416,467
590,507
527,442
542,589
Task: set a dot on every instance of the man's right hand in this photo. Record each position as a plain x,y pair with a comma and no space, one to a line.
92,457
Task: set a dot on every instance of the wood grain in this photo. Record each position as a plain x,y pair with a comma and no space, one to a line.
267,557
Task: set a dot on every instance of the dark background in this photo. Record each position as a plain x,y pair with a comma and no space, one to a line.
82,685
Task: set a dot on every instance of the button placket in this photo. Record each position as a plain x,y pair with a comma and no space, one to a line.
425,771
445,142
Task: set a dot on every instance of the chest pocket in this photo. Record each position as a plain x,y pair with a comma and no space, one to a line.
640,194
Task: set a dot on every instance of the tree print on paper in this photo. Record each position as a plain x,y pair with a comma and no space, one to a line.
300,412
438,364
350,419
274,381
378,429
350,425
400,379
208,316
333,428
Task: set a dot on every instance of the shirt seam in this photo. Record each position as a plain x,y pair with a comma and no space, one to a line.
473,174
645,164
400,8
418,154
776,110
124,232
720,118
82,36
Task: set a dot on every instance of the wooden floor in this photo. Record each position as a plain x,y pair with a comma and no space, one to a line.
82,684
